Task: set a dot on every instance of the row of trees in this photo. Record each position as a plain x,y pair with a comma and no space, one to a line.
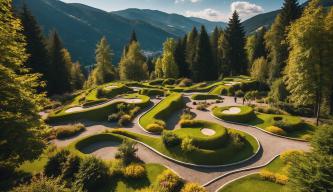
49,58
294,55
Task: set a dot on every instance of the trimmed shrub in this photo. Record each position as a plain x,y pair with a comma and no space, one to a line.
155,128
116,167
124,120
193,187
114,117
170,139
156,82
289,124
152,92
202,106
276,130
247,114
236,139
69,130
134,171
187,144
205,97
168,181
190,123
287,156
92,173
110,93
273,177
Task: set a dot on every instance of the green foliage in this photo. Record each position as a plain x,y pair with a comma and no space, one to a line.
276,130
180,57
187,145
170,139
66,131
152,92
104,92
168,181
255,46
193,187
127,151
124,120
259,69
92,174
134,171
54,165
155,127
21,125
322,140
42,183
245,115
278,91
205,97
168,64
132,65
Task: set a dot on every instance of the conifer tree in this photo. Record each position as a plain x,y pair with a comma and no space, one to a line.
104,71
59,69
132,66
203,67
180,57
36,44
276,37
223,50
21,125
235,56
255,46
308,72
214,38
77,77
191,46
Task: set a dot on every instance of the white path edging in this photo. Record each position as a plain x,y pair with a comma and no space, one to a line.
243,124
238,171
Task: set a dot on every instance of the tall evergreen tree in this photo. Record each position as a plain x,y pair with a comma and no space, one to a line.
59,71
132,66
308,73
255,46
203,67
235,55
22,129
223,51
180,57
77,76
214,38
104,71
276,37
36,44
191,46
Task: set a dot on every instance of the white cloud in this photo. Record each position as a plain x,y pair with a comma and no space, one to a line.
246,9
182,1
209,14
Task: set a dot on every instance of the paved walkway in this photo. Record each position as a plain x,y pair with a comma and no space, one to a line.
271,147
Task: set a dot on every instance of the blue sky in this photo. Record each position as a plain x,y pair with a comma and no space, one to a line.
216,10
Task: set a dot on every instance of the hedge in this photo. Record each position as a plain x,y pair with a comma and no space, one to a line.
205,97
163,110
247,114
110,93
95,114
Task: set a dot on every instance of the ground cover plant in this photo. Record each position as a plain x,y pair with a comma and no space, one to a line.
155,119
285,125
66,131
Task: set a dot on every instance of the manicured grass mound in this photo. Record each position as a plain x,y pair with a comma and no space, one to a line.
66,131
194,147
205,97
245,115
105,92
152,92
160,113
96,114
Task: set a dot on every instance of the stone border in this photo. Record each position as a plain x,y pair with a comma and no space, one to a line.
243,124
238,171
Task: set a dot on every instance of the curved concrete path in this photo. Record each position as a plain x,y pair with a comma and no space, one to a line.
272,146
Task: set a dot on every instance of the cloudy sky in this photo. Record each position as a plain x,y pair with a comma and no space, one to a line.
215,10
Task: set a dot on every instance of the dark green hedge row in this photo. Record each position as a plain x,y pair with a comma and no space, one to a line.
205,97
104,93
152,92
247,114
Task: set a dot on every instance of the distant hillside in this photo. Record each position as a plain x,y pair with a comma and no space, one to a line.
266,19
81,27
172,23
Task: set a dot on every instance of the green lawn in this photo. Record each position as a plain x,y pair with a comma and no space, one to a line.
163,110
256,184
207,156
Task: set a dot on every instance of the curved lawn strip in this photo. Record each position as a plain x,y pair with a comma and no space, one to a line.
200,157
97,113
253,182
205,97
162,111
303,130
245,115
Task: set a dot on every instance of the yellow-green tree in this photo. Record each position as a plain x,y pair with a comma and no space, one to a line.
22,130
308,74
259,69
167,61
132,65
